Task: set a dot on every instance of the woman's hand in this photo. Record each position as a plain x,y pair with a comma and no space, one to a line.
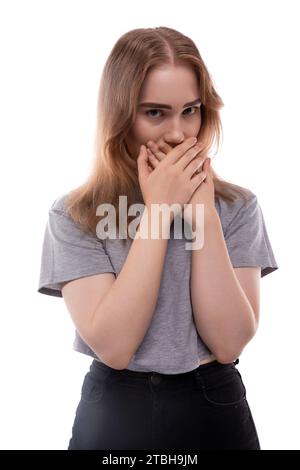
203,194
171,181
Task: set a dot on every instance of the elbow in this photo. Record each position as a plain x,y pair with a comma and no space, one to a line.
111,358
227,357
118,363
121,363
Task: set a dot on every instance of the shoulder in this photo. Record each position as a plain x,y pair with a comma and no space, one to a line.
62,224
59,203
232,211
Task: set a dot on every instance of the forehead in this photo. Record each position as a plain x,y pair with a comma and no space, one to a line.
169,84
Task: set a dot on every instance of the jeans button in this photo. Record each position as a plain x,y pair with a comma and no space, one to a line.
155,379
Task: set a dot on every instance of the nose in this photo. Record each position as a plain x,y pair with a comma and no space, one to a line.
174,137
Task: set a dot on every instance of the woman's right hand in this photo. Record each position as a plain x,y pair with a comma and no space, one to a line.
171,182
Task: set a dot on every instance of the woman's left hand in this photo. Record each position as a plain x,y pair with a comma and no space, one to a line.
205,193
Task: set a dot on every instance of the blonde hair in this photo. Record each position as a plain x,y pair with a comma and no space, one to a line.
114,171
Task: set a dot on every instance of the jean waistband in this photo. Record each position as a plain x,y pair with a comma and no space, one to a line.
201,369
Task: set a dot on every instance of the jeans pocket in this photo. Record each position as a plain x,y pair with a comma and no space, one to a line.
93,387
224,389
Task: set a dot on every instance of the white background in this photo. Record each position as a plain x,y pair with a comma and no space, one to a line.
52,55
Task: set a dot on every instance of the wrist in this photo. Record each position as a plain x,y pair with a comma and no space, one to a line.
203,213
157,221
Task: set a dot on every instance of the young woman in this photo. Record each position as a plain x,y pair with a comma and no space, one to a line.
164,324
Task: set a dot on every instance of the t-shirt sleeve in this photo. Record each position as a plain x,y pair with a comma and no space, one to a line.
68,253
247,239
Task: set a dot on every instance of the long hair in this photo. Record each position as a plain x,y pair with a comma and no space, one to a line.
114,171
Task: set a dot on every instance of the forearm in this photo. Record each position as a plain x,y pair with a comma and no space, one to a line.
223,314
124,314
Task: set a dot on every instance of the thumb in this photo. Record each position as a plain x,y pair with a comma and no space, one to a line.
142,163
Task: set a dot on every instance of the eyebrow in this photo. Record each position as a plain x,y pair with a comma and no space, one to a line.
166,106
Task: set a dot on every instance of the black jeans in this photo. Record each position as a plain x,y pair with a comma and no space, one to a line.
204,409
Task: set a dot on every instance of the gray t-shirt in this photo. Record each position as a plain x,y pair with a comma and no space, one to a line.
171,344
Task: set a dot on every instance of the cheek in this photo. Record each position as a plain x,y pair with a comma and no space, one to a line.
196,124
143,131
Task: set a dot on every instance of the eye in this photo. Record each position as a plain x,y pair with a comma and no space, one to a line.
196,108
151,111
